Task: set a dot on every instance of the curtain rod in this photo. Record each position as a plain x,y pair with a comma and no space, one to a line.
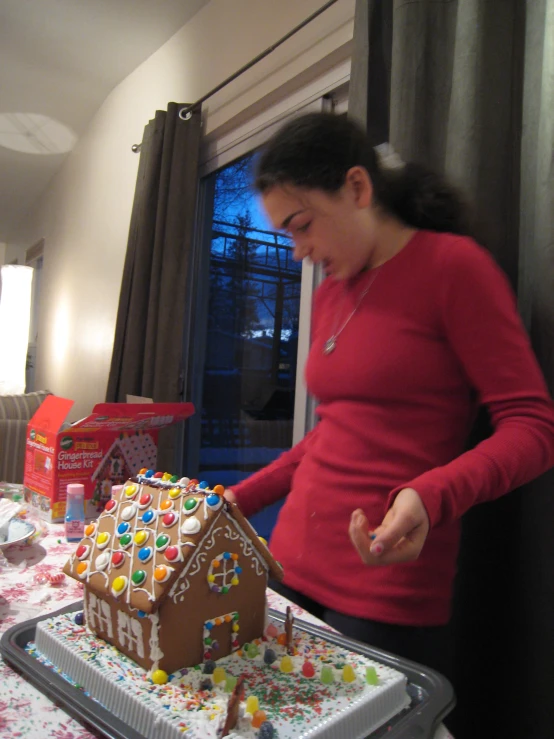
186,111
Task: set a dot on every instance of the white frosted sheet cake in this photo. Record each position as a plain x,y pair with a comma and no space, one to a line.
348,696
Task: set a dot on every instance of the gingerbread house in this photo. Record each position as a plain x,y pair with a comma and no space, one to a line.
128,453
173,573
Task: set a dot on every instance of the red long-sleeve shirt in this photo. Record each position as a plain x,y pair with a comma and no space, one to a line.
436,335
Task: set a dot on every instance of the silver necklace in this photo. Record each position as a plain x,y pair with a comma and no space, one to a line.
331,343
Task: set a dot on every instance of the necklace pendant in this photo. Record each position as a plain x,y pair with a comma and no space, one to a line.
329,345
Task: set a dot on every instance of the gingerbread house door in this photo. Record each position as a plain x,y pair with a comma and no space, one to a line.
221,635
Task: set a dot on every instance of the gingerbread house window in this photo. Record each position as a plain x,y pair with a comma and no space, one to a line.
224,572
100,615
129,633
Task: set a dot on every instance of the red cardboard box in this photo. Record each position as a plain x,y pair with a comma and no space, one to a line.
99,451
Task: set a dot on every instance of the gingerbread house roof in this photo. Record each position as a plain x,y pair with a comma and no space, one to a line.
138,449
148,536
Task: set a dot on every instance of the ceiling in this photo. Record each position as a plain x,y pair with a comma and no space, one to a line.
61,59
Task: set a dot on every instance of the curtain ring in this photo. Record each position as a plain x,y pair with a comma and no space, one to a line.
187,116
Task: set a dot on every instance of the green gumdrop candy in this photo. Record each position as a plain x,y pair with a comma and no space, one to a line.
348,674
326,675
230,683
371,676
252,651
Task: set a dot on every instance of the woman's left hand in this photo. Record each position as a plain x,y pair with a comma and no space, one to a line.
399,538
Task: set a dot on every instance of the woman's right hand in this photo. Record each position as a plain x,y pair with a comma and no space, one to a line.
229,495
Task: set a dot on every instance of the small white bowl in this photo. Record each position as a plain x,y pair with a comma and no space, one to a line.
18,532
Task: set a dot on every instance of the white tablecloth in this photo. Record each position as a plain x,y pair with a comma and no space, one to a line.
25,713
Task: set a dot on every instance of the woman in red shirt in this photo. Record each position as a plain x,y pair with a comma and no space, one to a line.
414,328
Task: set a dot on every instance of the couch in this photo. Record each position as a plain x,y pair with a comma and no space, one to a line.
15,413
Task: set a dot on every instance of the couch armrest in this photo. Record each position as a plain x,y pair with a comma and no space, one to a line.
13,435
21,407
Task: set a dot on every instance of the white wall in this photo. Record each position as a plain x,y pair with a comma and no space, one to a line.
84,214
9,253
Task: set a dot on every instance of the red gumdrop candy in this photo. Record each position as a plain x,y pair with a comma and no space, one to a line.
258,718
308,669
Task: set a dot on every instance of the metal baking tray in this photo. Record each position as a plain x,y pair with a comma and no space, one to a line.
432,696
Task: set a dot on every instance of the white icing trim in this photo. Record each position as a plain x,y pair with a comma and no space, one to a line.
129,633
156,653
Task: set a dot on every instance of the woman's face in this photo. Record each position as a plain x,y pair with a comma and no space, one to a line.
334,230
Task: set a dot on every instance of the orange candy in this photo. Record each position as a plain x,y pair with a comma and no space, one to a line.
165,504
258,718
282,639
227,618
160,573
218,490
216,563
234,556
82,567
89,531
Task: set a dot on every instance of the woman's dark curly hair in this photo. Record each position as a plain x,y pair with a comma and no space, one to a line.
316,150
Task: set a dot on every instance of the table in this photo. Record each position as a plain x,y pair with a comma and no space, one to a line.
25,713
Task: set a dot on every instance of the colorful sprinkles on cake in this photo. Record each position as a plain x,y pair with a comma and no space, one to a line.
291,702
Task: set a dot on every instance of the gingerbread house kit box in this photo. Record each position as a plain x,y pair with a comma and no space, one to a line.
99,451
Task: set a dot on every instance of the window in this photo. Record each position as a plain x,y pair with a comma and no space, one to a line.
129,633
99,615
251,306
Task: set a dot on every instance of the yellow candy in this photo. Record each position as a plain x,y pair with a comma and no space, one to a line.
252,704
261,538
348,674
166,476
130,490
235,581
218,675
174,493
118,584
286,664
103,537
159,677
235,627
140,537
211,578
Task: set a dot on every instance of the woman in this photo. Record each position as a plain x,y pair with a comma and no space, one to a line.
414,328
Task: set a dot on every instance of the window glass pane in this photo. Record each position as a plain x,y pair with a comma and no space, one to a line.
250,367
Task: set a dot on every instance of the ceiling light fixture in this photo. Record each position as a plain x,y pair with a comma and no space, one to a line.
34,133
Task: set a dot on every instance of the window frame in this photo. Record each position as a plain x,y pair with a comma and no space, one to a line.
219,149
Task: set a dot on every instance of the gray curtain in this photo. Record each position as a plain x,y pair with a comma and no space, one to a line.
148,344
468,88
